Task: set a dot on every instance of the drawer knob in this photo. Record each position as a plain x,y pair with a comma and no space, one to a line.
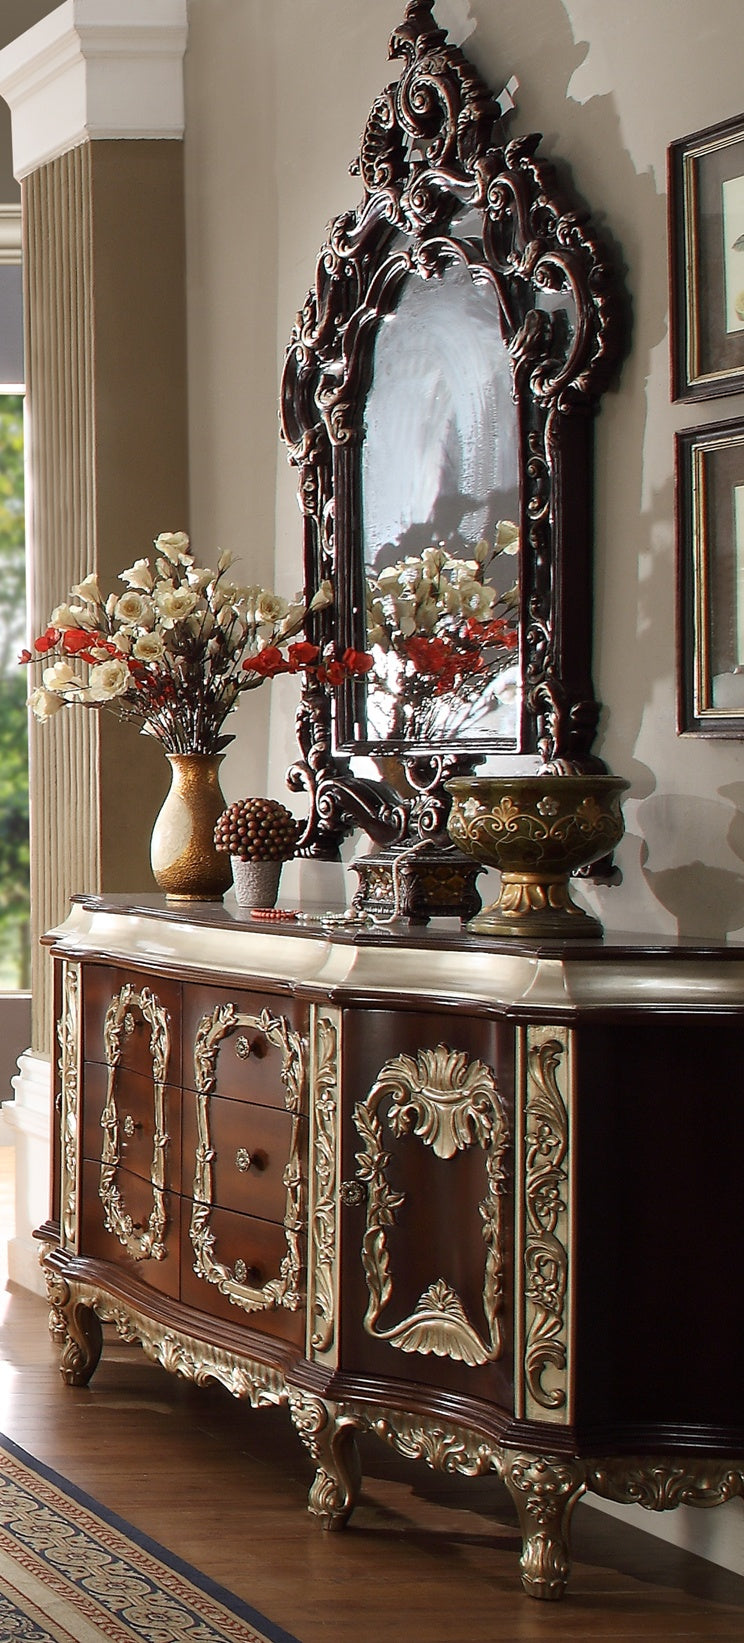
129,1125
129,1023
243,1160
244,1047
352,1192
246,1274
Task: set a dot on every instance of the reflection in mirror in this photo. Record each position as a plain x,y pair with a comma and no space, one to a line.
440,479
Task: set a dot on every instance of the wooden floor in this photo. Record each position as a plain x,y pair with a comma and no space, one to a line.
425,1559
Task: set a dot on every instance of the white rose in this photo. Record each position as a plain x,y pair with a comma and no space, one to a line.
44,704
139,575
149,647
476,599
131,607
123,642
174,603
173,544
61,677
108,680
270,607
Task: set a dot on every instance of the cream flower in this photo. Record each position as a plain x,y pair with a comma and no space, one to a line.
323,597
173,544
149,647
476,599
44,704
107,680
89,589
506,539
71,616
61,677
131,607
270,608
174,603
138,576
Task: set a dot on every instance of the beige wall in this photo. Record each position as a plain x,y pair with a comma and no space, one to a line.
277,99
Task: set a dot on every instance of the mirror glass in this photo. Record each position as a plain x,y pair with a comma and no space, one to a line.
440,501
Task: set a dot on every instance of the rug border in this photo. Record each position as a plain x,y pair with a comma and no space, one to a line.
187,1571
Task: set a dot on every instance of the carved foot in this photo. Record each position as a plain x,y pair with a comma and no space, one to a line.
330,1438
78,1329
545,1489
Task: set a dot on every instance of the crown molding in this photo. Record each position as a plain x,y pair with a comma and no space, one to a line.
95,69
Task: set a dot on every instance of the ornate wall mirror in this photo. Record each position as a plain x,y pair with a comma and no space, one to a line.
437,398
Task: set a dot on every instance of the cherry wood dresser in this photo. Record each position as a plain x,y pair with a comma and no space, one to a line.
479,1198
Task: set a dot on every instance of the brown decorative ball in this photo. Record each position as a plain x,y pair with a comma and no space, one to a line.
257,830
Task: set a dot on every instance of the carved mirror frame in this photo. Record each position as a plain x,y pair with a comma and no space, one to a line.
434,148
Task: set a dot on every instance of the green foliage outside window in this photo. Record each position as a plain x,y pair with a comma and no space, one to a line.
14,851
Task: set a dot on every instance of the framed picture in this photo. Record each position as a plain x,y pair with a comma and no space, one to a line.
710,610
706,235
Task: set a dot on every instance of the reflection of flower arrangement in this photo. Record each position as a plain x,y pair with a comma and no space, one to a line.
175,650
442,638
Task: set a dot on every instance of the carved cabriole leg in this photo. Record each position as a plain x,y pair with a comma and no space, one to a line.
79,1329
545,1489
330,1437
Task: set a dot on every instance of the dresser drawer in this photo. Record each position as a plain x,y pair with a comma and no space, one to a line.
136,1199
139,1015
252,1251
133,1097
227,1049
251,1147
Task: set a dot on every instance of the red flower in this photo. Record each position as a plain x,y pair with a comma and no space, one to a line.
333,673
76,639
46,641
428,655
303,654
26,656
267,663
357,661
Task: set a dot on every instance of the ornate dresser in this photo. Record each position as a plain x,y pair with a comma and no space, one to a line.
479,1199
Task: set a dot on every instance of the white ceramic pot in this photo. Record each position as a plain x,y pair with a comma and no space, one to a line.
256,882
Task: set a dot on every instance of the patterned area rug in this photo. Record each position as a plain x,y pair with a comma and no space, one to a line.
71,1572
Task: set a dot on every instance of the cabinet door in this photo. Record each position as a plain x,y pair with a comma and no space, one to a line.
427,1159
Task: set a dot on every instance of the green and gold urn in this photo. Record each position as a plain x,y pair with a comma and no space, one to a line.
537,830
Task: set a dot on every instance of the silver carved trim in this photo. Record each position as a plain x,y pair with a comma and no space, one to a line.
176,1350
323,1277
662,1483
68,1038
286,1290
142,1243
546,1231
450,1102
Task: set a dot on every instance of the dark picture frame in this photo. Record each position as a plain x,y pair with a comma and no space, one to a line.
710,579
706,222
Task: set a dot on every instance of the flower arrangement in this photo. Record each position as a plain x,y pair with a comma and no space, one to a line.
257,830
442,639
177,647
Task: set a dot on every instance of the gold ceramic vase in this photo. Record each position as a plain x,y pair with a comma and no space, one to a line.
184,861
